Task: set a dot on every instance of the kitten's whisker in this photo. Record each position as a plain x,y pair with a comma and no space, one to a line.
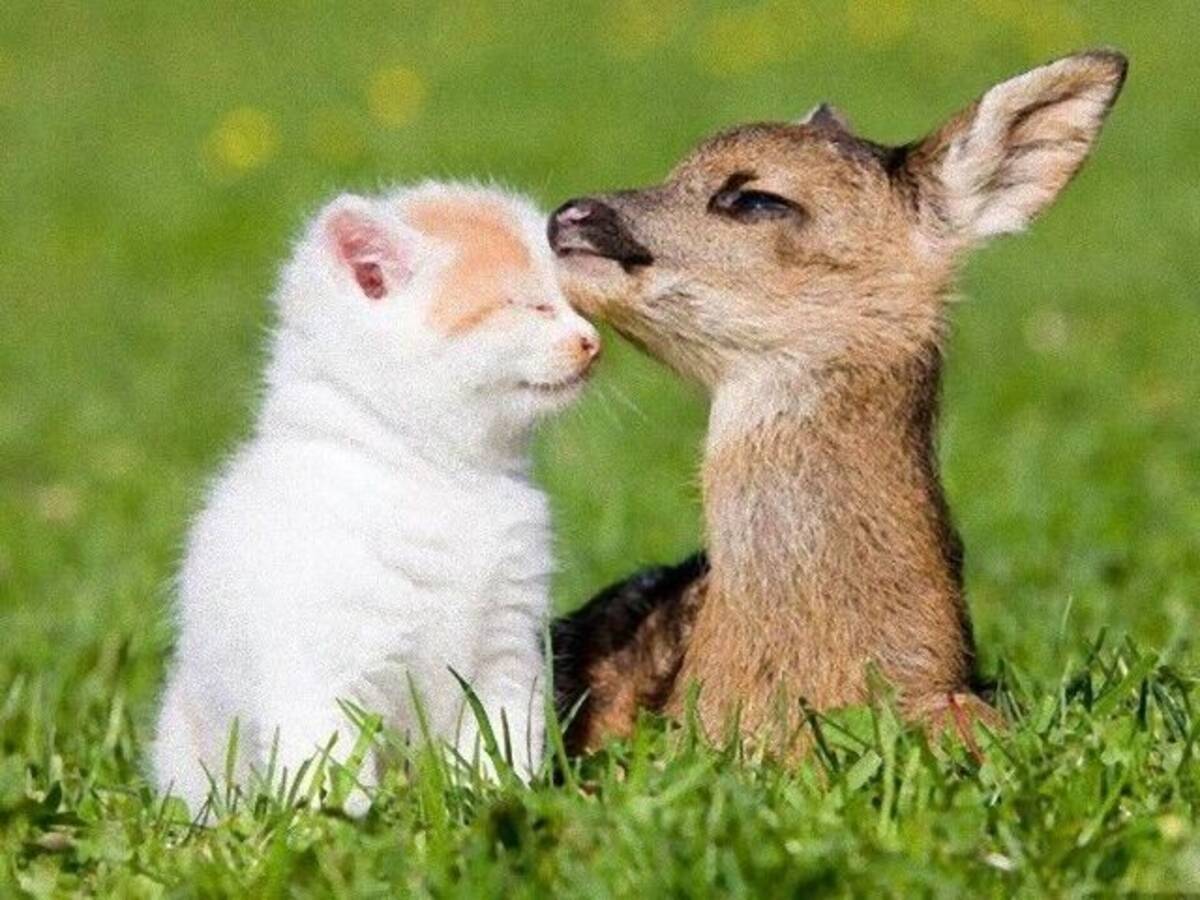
606,401
629,403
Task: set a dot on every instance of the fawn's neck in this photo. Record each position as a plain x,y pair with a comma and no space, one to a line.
822,498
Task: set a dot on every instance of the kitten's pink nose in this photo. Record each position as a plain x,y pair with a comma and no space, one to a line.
586,348
589,345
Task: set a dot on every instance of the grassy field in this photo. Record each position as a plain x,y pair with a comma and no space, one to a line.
157,158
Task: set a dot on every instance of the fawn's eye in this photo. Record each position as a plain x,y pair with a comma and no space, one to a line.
758,201
752,206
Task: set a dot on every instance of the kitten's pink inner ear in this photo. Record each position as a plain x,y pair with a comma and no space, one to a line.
370,278
372,254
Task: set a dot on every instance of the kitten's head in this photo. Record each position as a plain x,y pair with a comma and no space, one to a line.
441,296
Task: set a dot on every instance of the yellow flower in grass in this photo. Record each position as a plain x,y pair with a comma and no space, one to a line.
633,28
879,23
395,96
734,41
459,27
58,504
1047,330
1049,28
116,459
244,139
1003,10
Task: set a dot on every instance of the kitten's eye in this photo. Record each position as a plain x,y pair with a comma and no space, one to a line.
543,309
752,206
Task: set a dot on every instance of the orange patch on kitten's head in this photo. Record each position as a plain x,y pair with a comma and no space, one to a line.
490,257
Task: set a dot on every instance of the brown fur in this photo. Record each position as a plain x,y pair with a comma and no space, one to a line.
622,651
818,330
642,674
873,576
488,247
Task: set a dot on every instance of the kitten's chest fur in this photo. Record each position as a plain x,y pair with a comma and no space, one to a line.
482,541
449,562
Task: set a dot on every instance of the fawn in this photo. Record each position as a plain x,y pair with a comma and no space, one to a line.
801,273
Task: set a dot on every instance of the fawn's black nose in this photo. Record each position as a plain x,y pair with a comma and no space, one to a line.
593,228
573,223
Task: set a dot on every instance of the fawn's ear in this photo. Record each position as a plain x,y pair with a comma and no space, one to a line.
997,164
374,250
824,115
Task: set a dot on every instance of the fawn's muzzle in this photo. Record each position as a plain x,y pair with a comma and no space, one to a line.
593,228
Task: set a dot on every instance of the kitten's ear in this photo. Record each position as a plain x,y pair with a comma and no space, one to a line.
374,250
997,164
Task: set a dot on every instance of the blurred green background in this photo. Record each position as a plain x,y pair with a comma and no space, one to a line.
156,159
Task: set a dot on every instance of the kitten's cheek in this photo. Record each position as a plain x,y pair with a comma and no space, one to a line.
560,399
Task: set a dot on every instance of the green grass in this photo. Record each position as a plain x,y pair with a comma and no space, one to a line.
157,158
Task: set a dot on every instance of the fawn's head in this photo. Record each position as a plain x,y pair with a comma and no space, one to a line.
805,244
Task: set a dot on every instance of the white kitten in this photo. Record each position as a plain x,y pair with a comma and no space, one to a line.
381,523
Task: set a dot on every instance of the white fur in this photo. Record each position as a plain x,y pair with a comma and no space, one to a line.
380,525
754,394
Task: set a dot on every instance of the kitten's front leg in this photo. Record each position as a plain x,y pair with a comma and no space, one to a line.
511,689
306,726
517,718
